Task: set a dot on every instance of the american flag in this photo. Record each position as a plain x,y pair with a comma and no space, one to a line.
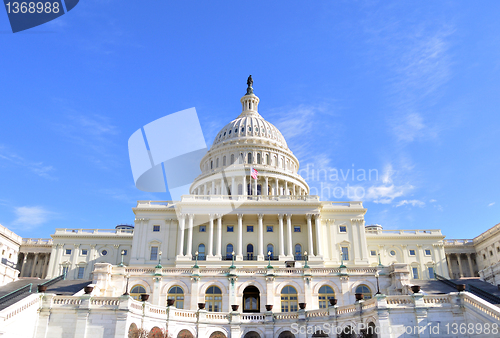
254,173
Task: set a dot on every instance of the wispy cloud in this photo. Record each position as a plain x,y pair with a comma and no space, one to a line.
31,217
491,204
410,202
38,168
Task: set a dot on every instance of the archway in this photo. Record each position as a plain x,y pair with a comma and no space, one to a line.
251,299
347,332
133,331
286,334
252,334
185,334
218,334
319,333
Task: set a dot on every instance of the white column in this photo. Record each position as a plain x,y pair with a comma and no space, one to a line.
281,235
319,237
245,191
470,265
213,188
310,247
223,190
211,237
260,243
189,251
25,260
233,187
276,190
219,236
35,260
450,270
289,234
91,261
459,259
265,191
205,189
285,191
180,238
239,253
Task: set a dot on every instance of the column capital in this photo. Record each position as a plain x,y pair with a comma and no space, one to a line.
211,216
288,216
260,216
317,216
280,216
240,216
218,216
308,216
191,217
76,246
92,246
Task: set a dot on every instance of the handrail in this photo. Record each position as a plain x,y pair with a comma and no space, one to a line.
54,280
483,294
472,289
16,293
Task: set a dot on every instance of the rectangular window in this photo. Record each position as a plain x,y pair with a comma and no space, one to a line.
415,272
270,228
345,253
296,228
84,252
156,228
230,228
65,270
412,252
498,248
81,270
203,228
249,228
373,253
427,252
431,272
343,228
68,251
154,253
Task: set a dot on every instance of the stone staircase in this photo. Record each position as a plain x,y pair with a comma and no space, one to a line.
62,287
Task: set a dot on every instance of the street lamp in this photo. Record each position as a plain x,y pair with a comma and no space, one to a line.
121,265
159,261
378,286
126,287
196,262
269,253
232,262
305,259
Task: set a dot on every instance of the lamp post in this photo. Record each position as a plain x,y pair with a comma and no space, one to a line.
126,287
232,261
159,261
121,265
378,286
269,256
196,262
305,259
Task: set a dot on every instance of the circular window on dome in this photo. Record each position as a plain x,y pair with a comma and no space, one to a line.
104,252
392,253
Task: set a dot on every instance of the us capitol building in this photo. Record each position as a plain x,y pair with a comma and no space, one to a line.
245,257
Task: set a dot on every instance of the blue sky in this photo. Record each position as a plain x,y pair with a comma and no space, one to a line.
409,89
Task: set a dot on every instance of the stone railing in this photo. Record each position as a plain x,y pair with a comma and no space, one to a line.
95,232
480,305
428,232
38,241
458,242
229,198
16,309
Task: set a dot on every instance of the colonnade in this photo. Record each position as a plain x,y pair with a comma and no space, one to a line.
285,245
34,264
239,186
450,257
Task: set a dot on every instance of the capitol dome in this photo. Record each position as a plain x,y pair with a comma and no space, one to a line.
249,143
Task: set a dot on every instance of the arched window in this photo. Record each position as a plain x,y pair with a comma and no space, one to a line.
232,158
201,252
213,299
241,159
137,291
289,299
325,293
229,251
365,290
176,293
298,252
249,158
258,158
224,161
267,159
217,163
250,252
270,249
281,162
211,164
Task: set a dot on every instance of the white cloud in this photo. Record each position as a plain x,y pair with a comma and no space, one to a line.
409,127
39,168
432,201
31,216
491,204
412,202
